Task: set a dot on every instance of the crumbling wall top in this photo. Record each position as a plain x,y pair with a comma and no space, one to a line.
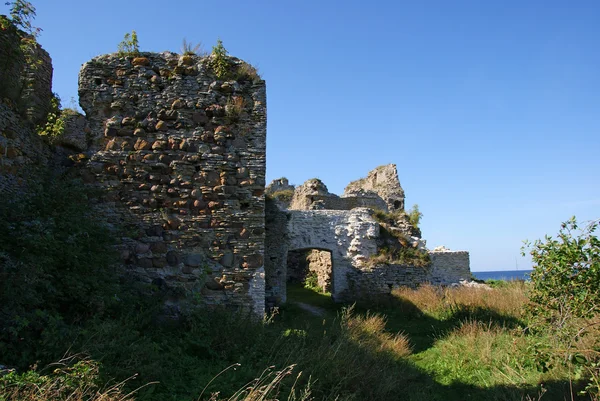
384,182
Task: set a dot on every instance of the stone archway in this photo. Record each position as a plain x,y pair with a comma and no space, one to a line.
311,267
349,235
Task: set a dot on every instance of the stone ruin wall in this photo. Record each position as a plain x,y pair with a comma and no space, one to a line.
314,195
276,251
25,94
449,266
303,263
181,157
319,220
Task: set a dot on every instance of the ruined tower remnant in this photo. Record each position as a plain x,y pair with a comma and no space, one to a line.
181,156
355,245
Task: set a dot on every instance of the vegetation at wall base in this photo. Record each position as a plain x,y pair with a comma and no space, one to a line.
428,343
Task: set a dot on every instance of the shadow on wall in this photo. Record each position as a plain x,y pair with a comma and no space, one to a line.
312,268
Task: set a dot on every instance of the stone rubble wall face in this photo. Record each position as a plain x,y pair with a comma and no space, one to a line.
380,280
384,182
449,267
276,253
25,95
350,236
181,156
319,263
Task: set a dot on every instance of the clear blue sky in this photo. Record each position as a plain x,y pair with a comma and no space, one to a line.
490,109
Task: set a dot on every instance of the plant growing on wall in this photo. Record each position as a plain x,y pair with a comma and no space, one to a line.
129,46
415,216
190,49
22,14
219,61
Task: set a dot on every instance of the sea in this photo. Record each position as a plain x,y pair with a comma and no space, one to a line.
506,275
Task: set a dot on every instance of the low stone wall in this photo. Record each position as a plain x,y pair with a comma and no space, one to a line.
449,267
382,279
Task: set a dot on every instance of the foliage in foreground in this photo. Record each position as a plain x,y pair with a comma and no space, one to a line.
428,344
55,268
565,299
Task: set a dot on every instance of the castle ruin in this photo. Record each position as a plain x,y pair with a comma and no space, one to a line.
180,156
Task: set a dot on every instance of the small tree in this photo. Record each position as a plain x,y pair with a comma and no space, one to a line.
22,14
129,46
565,295
218,61
415,216
566,275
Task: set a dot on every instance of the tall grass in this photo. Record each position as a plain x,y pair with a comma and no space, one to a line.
446,302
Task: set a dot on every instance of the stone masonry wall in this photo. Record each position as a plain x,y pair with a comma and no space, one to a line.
25,94
350,236
313,195
181,156
276,251
449,267
382,181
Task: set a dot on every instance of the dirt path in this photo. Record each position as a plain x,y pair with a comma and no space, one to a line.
315,310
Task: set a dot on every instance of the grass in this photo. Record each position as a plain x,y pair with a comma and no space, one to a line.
423,344
428,343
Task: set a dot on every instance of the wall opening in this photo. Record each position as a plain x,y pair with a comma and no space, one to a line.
311,268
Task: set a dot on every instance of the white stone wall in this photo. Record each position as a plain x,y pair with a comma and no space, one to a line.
349,235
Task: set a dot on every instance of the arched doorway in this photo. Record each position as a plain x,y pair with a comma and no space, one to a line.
311,268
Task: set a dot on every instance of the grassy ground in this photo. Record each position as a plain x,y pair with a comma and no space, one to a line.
425,344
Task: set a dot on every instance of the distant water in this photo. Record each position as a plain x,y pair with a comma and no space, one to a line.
506,275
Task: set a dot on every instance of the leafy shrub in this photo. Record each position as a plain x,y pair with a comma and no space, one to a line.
415,216
55,268
284,195
400,256
54,127
311,282
129,46
564,297
219,61
22,14
69,380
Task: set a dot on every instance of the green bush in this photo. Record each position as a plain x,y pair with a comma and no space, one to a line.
56,269
219,60
129,46
415,216
565,300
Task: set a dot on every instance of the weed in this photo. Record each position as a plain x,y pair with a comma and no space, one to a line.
246,71
234,109
190,49
129,47
219,60
284,195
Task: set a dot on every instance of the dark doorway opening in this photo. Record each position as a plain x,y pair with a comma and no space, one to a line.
311,268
